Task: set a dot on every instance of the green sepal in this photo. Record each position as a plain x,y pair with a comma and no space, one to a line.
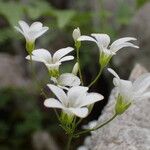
30,47
104,59
53,73
77,44
121,105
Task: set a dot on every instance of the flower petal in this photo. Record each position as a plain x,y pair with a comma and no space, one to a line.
113,73
19,30
68,79
53,66
66,58
42,54
60,94
36,26
102,39
24,26
62,52
52,103
35,34
86,38
80,112
90,98
74,93
142,83
122,42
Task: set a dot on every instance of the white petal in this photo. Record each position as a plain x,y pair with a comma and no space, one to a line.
53,66
113,72
52,103
68,79
116,45
125,88
35,58
74,93
60,94
36,26
145,95
80,112
62,52
42,54
102,39
18,29
24,26
66,58
142,83
36,34
90,98
86,38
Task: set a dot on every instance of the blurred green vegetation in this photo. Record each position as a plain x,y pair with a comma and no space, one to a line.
22,113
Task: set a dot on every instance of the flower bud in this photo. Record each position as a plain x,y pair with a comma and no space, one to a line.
121,105
75,69
76,34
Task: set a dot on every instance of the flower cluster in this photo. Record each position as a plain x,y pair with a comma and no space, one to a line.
72,96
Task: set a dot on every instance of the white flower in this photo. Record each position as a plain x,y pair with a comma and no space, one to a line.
66,79
74,102
51,62
76,34
103,41
31,33
136,90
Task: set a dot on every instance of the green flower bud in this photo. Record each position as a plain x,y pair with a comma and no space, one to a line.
121,105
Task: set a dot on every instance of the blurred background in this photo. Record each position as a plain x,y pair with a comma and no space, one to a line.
24,122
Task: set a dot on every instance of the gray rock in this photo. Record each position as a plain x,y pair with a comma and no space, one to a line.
139,28
12,72
130,131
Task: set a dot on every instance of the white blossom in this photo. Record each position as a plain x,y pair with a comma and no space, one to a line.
66,79
74,102
31,33
51,62
103,41
137,90
76,34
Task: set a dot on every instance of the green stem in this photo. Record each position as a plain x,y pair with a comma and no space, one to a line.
89,130
69,142
97,77
78,60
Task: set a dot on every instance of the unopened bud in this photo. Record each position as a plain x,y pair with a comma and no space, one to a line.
76,34
121,105
75,69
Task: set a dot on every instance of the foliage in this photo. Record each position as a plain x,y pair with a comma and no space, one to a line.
141,2
20,117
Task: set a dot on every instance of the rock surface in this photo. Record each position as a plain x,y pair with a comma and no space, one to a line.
12,72
130,131
139,28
